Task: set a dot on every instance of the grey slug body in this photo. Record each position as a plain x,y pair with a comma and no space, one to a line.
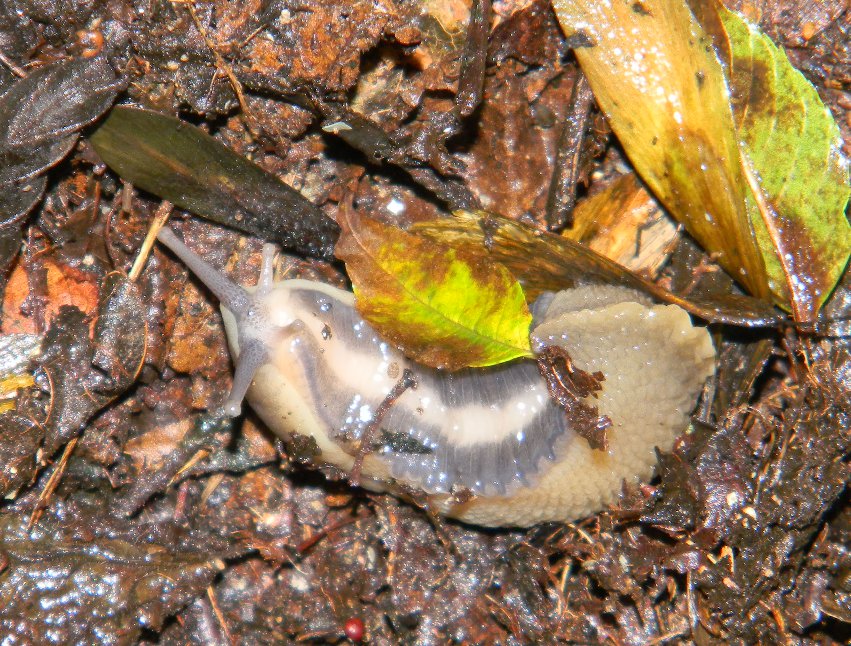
486,430
311,365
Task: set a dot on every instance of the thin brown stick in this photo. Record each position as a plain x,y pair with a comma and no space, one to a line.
405,382
52,482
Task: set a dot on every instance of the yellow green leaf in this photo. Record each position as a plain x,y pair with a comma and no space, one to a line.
801,177
443,307
657,78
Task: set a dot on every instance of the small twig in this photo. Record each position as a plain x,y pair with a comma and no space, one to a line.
310,541
561,196
222,64
251,36
17,71
199,456
219,616
405,382
52,482
160,218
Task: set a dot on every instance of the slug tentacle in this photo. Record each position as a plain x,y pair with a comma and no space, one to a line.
253,354
267,270
230,295
247,309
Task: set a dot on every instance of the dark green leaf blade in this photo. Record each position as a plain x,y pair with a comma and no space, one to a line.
191,169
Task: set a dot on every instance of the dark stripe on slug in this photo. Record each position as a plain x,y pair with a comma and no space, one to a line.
487,467
440,458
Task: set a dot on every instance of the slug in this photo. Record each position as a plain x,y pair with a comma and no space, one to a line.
486,446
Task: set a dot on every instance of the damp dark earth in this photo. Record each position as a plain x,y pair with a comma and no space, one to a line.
534,145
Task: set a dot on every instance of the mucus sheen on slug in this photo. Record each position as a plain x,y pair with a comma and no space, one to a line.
309,364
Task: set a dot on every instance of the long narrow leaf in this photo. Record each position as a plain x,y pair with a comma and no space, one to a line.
188,167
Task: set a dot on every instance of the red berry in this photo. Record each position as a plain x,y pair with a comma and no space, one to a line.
354,629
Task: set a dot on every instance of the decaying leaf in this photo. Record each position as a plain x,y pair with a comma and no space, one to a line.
119,335
794,144
572,388
62,286
771,209
443,307
547,262
624,223
74,582
40,116
655,75
81,375
191,169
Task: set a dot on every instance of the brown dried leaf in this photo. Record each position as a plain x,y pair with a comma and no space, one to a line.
656,76
624,223
120,333
546,262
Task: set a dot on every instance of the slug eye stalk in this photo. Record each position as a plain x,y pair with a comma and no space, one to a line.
230,295
246,308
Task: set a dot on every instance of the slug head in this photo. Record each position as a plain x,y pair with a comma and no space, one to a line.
247,314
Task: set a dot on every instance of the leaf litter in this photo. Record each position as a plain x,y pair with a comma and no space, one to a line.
742,537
